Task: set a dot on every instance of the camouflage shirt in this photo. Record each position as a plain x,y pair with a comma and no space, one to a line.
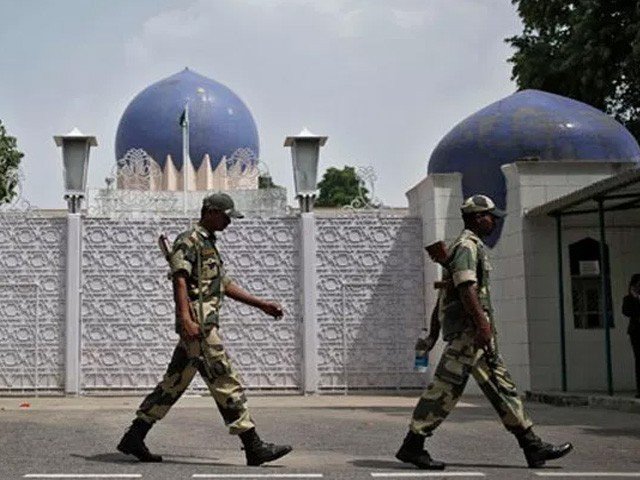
195,253
468,262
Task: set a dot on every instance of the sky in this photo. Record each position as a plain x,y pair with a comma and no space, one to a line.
385,80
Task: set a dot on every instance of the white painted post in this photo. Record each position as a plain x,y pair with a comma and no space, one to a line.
309,300
73,293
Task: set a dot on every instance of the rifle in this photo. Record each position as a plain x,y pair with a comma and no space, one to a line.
165,248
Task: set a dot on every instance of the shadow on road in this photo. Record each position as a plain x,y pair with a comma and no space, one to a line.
376,463
493,465
613,432
173,459
389,464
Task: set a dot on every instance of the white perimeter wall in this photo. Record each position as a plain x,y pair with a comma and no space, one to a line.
370,302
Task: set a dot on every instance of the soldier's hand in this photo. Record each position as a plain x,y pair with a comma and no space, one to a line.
273,309
190,329
484,336
426,343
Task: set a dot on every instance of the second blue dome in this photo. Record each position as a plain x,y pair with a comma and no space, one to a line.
529,123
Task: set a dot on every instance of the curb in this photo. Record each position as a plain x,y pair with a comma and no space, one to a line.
563,399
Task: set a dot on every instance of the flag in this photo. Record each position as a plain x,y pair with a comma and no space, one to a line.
184,118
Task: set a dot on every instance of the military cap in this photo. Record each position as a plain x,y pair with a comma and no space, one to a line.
481,204
221,202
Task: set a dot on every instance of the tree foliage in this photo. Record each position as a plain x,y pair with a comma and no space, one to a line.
10,158
588,50
265,181
340,187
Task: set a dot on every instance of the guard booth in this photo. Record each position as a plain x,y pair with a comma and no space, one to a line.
598,250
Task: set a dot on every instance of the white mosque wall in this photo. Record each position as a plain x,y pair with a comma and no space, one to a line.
32,279
531,184
508,295
128,312
370,301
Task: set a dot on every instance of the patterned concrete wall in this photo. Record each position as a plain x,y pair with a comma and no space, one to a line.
370,301
370,284
128,310
31,301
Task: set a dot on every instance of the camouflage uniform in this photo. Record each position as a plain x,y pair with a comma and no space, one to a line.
468,263
195,251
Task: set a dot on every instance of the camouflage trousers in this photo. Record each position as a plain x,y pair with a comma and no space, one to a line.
460,359
208,357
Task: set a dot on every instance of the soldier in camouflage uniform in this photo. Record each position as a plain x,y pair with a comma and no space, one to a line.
467,322
200,284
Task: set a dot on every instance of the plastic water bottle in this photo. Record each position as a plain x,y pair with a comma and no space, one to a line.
422,356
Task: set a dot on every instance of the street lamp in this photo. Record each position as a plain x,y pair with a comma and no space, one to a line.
75,159
305,151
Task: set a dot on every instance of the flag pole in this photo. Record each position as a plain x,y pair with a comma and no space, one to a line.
185,157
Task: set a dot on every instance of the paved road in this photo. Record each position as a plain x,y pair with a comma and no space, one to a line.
333,438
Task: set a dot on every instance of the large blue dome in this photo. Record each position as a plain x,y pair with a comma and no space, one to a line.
529,123
219,122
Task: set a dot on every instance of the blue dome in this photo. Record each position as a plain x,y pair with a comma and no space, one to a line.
219,122
530,123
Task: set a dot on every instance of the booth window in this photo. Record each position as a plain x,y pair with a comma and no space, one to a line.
586,286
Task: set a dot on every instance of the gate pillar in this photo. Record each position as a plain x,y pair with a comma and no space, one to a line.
309,301
73,292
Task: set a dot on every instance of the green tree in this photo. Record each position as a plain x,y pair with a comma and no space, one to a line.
588,50
340,187
265,181
10,158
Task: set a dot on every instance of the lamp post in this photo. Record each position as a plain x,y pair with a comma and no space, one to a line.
305,151
75,159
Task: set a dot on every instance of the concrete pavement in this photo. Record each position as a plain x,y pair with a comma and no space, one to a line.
350,437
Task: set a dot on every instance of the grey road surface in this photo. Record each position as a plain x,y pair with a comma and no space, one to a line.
334,437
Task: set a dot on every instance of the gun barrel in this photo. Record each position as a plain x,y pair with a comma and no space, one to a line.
163,243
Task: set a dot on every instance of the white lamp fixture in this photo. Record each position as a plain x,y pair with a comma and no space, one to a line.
305,152
75,159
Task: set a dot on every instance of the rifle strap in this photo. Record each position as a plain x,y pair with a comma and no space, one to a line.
200,300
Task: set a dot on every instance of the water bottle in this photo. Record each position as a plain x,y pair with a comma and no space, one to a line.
422,355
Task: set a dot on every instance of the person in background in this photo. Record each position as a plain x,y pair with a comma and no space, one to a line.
631,309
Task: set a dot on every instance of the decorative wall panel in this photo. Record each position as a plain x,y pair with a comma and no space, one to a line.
262,255
370,301
128,310
32,259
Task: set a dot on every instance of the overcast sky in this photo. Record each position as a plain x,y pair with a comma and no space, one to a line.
384,79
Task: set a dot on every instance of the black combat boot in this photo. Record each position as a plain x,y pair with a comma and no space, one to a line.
132,442
538,452
412,451
259,452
